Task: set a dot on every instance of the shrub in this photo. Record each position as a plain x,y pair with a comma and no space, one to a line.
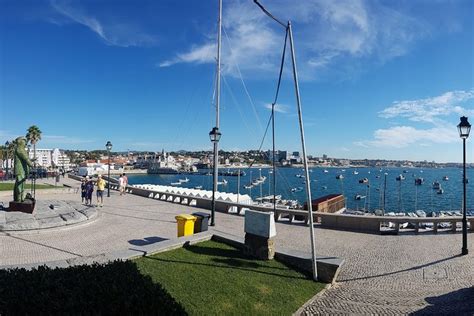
113,288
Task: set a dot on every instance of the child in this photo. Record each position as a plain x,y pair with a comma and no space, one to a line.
89,190
83,189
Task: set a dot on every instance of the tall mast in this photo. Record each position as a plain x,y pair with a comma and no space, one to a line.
309,202
218,101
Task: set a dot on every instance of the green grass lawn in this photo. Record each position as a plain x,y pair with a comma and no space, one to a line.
212,278
9,186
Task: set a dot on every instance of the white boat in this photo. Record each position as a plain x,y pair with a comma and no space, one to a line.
445,178
199,187
325,171
223,182
175,183
355,172
298,189
339,177
248,186
183,180
420,213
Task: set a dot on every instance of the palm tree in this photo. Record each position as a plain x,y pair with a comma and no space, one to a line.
33,135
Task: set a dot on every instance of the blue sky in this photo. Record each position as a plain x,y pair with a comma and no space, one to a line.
379,79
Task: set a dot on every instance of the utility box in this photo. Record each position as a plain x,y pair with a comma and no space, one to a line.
185,224
202,222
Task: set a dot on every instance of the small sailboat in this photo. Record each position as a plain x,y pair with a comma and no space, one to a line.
419,181
400,177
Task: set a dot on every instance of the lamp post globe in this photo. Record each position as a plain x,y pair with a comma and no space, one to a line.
109,148
464,128
215,136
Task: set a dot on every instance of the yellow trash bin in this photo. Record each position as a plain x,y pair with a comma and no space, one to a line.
185,224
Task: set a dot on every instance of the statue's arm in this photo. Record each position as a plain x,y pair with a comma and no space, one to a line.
24,157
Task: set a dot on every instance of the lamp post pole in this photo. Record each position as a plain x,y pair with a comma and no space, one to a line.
109,148
215,136
464,128
7,144
464,250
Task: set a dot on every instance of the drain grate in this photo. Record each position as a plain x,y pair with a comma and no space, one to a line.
434,273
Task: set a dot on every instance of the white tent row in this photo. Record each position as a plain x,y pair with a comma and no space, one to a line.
206,194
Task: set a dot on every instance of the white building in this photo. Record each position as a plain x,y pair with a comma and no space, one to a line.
51,158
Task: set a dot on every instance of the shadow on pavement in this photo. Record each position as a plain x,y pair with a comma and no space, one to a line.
146,241
460,302
400,271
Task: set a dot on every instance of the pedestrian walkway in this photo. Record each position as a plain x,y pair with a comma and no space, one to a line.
381,275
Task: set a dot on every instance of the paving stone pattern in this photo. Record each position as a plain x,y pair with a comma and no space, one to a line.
382,275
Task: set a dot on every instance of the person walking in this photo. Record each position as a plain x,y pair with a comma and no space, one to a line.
121,185
83,189
89,190
100,190
125,183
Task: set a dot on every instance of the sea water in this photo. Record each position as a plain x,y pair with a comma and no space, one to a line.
400,196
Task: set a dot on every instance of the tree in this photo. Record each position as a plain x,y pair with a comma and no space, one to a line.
33,135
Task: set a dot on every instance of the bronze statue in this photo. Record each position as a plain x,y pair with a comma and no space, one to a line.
22,169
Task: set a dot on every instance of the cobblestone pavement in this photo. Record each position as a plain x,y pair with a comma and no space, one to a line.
392,275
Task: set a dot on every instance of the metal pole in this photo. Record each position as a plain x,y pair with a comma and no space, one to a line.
305,161
218,100
368,197
384,192
108,177
6,165
273,162
464,250
238,186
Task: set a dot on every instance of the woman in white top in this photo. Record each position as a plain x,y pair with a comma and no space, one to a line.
121,185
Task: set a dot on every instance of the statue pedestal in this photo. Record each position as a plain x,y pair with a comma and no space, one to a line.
27,206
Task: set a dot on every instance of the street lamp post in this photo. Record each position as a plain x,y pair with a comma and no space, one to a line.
215,136
464,128
7,144
109,148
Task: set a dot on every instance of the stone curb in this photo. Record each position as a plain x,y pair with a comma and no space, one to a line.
314,298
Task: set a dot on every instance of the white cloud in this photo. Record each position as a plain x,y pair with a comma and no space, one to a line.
116,33
404,136
432,111
280,108
429,109
326,33
199,55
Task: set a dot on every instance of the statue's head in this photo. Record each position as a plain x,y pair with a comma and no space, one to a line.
21,141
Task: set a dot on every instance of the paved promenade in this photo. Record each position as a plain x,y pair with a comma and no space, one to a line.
419,274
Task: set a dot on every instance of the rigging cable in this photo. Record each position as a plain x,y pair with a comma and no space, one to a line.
243,82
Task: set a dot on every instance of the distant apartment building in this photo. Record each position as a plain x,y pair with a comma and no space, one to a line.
51,158
280,155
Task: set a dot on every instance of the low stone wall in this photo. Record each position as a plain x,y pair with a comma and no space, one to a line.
366,224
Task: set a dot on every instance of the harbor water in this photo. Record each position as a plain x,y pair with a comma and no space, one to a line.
400,196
